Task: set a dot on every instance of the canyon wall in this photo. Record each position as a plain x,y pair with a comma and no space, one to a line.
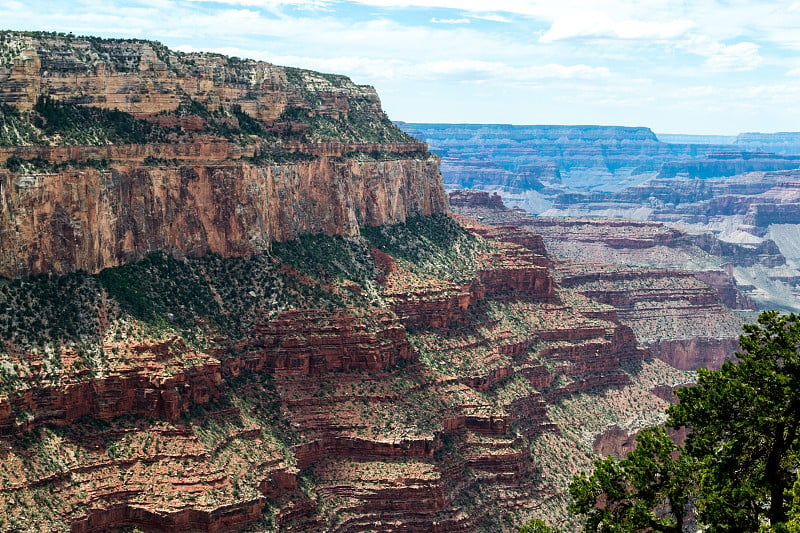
256,311
680,301
728,194
119,148
93,219
146,78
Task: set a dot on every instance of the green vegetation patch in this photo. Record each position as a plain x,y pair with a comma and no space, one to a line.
162,291
329,257
15,130
45,309
436,245
362,125
77,124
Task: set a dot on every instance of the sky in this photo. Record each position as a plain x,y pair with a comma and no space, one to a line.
694,66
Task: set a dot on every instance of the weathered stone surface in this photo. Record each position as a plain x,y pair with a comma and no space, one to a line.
146,78
391,389
473,198
211,190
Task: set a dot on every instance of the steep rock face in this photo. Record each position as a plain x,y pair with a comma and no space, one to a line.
778,143
118,148
727,188
412,421
265,375
728,164
146,78
522,157
694,353
473,198
730,218
90,220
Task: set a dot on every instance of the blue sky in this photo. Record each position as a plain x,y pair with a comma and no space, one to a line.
702,66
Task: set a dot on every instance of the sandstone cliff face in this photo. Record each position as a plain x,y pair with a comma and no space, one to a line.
405,413
221,155
300,361
93,219
146,78
521,157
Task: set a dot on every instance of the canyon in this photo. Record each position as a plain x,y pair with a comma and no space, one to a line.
734,197
235,297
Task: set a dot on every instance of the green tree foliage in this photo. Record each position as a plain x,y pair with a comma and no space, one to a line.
744,422
792,525
646,491
81,124
537,525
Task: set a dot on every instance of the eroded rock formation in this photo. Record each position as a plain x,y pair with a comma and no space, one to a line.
685,316
257,314
93,219
190,153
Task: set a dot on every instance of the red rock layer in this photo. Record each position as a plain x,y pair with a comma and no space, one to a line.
295,343
90,220
694,353
301,343
681,314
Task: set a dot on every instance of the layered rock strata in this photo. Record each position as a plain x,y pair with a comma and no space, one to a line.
312,419
312,345
684,316
90,220
114,149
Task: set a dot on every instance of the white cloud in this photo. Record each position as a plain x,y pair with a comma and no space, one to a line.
269,4
597,24
435,20
501,71
491,17
738,57
364,68
758,96
650,52
12,6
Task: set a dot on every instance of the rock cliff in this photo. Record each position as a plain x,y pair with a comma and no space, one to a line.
750,222
511,158
735,194
404,372
94,219
147,79
113,149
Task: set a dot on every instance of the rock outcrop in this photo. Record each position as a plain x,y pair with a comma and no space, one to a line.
147,78
221,155
381,422
511,158
735,192
255,312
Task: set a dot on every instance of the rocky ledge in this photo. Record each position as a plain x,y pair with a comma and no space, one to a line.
394,380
